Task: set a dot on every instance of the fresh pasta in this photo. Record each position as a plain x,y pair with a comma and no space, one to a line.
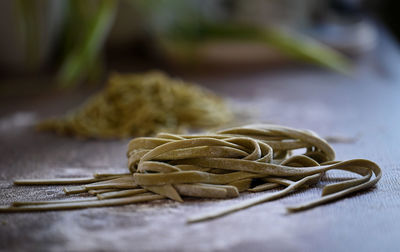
221,165
141,105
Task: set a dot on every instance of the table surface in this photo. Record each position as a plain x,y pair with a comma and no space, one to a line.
364,107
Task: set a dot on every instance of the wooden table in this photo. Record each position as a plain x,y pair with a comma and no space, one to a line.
364,107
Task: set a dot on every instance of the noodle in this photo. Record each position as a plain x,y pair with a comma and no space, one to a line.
252,158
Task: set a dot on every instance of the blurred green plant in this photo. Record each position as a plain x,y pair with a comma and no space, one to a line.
84,31
28,12
290,43
87,24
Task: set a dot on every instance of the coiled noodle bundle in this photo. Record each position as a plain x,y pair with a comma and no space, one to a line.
223,164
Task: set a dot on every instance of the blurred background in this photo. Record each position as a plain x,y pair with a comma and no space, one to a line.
74,43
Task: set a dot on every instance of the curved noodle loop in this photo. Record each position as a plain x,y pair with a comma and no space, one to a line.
252,158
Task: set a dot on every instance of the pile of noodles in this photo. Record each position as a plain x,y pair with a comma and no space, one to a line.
222,165
141,105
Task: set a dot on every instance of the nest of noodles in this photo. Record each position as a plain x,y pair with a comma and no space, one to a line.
252,158
141,105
